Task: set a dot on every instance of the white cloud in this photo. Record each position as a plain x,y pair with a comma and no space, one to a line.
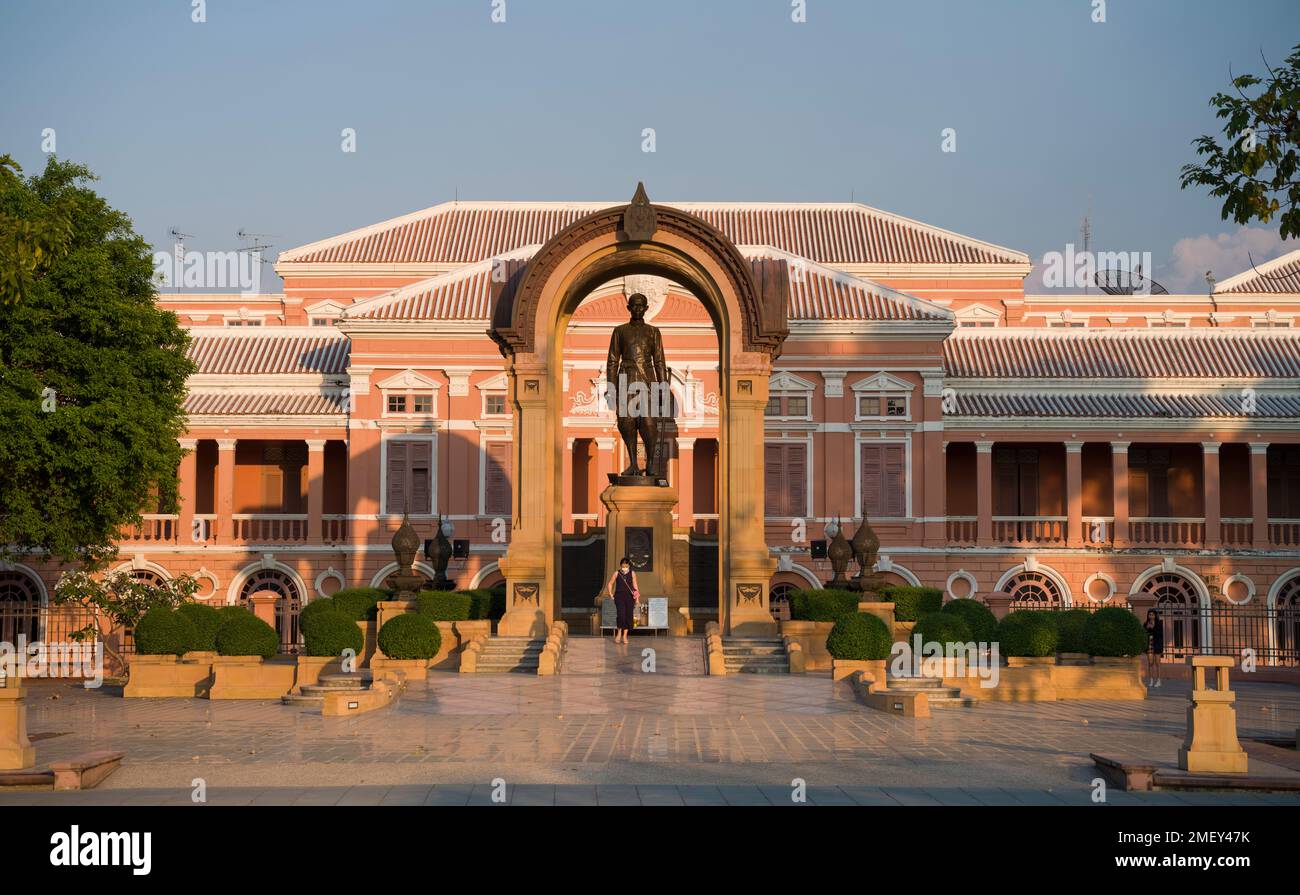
1226,255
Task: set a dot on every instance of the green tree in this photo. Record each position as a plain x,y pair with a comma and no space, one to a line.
29,244
1255,170
92,379
119,601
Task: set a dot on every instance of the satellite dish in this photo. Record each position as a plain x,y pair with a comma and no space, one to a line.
1114,281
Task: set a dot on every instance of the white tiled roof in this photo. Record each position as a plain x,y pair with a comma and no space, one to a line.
816,293
828,233
1281,276
1124,405
230,403
271,349
1123,353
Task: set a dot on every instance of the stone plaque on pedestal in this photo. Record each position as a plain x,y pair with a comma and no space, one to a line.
640,526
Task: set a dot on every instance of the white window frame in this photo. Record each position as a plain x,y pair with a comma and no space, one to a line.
904,440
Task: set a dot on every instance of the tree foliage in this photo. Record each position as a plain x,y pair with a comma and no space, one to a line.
28,244
119,601
1255,170
92,377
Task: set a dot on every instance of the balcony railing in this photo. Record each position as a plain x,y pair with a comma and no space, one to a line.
1098,531
1284,532
1166,531
1029,530
334,528
1238,532
270,528
153,528
963,530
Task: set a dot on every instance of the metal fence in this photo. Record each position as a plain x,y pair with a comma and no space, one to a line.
53,628
1271,635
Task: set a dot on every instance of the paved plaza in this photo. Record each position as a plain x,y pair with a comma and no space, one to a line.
606,732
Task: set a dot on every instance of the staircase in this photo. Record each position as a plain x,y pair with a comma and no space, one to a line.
314,694
935,692
506,654
755,655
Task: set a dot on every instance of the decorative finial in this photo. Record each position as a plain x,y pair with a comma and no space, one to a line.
639,218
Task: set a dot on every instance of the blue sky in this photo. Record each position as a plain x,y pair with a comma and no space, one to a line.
236,121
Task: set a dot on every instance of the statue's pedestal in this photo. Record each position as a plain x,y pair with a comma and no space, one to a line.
639,525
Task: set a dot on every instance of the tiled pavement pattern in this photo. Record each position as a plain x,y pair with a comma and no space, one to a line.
624,736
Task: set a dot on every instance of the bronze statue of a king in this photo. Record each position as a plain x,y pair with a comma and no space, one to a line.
638,383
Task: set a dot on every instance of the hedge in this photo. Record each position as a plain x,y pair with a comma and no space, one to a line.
943,628
1027,633
329,633
860,636
1114,632
207,620
412,635
164,632
911,603
979,618
487,603
1069,630
229,612
358,603
444,606
317,606
825,605
247,635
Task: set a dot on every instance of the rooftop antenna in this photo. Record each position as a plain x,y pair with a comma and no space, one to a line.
1085,231
255,243
178,253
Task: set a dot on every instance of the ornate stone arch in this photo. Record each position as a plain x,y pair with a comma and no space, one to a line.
533,302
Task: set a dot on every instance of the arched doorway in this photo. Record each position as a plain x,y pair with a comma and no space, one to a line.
1286,622
1178,606
20,606
533,301
288,604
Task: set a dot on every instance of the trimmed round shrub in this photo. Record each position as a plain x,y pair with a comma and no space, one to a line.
912,603
328,634
358,603
1027,633
412,635
979,618
247,635
444,606
316,607
823,605
229,612
1114,632
944,628
1069,630
206,620
164,632
860,636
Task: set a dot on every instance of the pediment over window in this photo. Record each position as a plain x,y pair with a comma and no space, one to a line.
409,379
497,383
883,382
786,381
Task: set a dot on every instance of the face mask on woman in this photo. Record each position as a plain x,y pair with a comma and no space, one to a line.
625,569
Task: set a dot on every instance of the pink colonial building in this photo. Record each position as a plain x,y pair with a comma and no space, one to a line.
1073,449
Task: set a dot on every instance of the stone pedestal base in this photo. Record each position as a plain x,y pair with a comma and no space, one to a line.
1211,745
16,752
639,525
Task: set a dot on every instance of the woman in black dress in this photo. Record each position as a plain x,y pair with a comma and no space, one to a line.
622,587
1155,645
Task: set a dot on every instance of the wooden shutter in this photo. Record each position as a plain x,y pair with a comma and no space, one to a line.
499,455
1138,503
873,478
396,476
894,486
796,479
773,480
421,476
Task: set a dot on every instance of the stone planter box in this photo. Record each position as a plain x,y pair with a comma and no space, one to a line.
168,676
249,677
811,637
454,636
1035,679
872,668
413,669
882,611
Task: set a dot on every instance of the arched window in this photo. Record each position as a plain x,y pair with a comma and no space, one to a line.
779,601
1286,622
20,606
148,576
1034,589
287,606
1179,609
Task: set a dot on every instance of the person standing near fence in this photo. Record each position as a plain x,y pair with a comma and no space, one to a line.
1155,646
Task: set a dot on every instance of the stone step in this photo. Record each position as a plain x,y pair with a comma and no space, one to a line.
732,650
913,683
319,691
951,702
758,669
297,699
342,682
